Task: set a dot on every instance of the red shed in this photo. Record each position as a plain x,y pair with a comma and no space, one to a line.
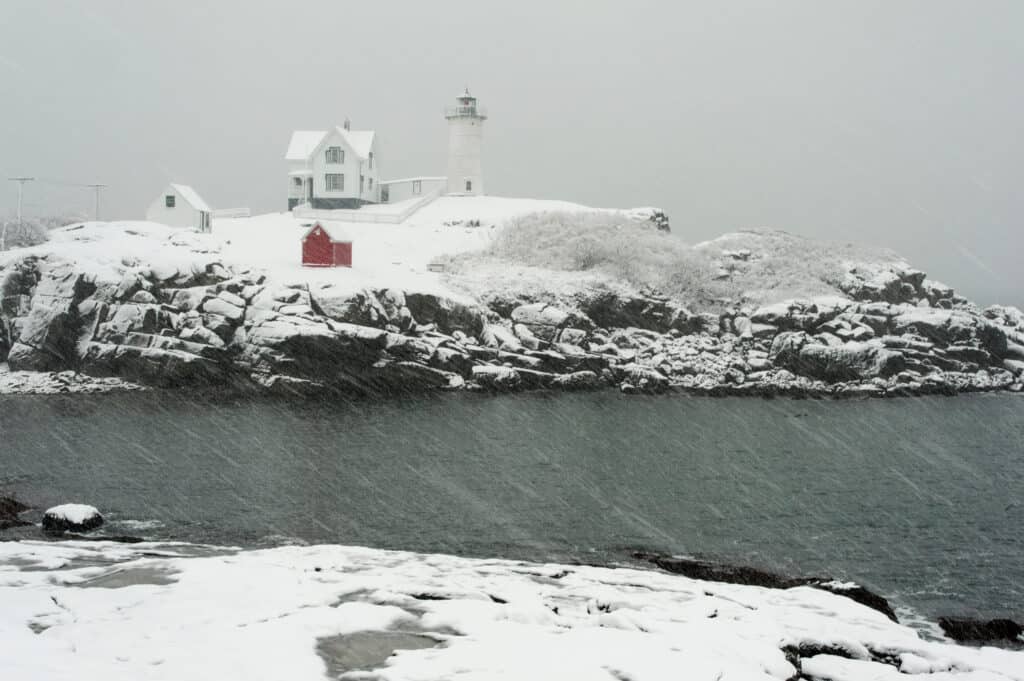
322,249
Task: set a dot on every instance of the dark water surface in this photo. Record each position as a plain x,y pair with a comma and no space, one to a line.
919,498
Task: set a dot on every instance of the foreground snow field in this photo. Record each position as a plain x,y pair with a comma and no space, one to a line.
177,611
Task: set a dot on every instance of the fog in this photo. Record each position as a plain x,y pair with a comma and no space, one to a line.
894,124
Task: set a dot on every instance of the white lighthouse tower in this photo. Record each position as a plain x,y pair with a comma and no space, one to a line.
465,139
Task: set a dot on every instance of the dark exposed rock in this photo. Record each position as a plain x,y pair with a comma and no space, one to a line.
740,574
10,509
611,310
449,315
981,631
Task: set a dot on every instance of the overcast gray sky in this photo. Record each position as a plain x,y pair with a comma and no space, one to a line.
888,122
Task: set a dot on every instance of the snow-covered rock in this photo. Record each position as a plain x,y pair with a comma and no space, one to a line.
187,612
71,518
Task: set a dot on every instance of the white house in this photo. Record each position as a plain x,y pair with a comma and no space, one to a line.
180,206
330,169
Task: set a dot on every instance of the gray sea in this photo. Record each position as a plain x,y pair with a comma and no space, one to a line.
921,499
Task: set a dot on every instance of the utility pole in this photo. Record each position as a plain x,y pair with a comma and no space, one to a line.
97,187
21,185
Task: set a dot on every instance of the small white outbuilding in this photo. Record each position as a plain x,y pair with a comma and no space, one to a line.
180,206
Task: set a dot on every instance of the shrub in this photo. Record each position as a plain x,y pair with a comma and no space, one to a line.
33,231
779,265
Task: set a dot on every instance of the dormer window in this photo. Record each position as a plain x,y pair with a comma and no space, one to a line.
169,200
335,155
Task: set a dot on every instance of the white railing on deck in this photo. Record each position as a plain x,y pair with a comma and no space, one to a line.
344,215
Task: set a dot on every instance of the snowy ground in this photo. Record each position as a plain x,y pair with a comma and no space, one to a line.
384,255
176,611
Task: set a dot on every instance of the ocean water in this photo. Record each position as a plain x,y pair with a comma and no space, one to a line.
921,499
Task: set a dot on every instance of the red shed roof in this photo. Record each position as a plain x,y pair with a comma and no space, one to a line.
334,232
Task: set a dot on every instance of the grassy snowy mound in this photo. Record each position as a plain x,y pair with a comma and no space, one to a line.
545,250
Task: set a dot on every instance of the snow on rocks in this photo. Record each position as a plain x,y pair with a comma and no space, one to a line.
71,518
148,304
188,616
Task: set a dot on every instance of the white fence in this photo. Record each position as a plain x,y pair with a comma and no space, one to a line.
304,211
232,213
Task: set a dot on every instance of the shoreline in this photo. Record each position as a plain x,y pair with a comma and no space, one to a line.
71,383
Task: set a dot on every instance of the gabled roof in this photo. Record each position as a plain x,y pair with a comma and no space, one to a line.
361,141
191,197
335,233
305,143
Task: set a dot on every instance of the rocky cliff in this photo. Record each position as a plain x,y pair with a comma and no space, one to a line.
209,324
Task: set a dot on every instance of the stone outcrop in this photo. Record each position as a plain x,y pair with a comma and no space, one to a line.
210,326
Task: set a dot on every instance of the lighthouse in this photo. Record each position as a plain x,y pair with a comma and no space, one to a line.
465,139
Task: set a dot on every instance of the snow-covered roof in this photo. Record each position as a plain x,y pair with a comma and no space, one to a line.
335,232
191,197
303,143
361,141
302,172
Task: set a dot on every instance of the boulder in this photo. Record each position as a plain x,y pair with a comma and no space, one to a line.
71,518
948,327
448,314
225,308
353,307
46,339
639,378
546,321
577,380
798,353
611,310
497,378
497,336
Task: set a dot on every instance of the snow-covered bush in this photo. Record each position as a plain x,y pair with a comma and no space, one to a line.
755,267
33,231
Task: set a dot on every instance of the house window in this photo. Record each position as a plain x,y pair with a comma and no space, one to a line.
361,182
371,184
371,160
417,187
169,200
334,182
469,185
335,155
298,181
